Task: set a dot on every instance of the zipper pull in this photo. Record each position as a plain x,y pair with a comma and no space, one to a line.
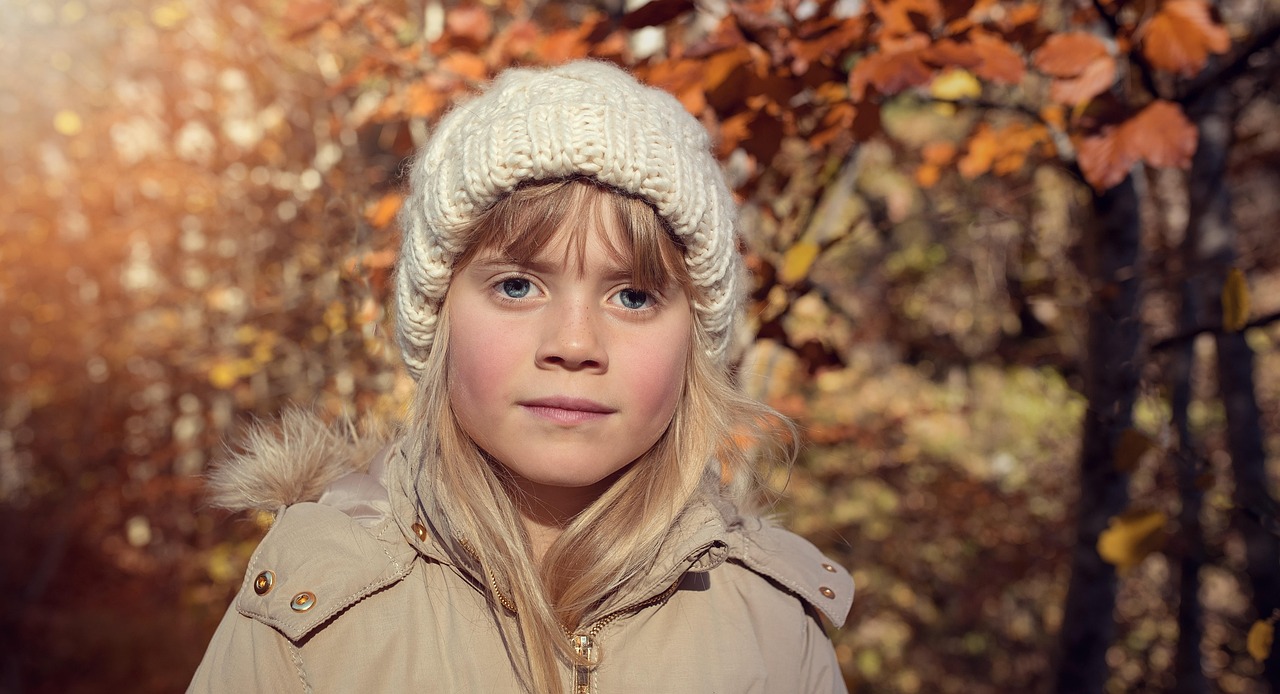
585,648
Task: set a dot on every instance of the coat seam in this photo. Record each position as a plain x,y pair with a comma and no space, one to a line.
296,654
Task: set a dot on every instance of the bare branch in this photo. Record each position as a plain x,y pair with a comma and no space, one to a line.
1146,73
1187,336
1234,66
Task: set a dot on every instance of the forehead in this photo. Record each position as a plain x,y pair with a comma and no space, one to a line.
560,221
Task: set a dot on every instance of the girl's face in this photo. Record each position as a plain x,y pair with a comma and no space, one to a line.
558,367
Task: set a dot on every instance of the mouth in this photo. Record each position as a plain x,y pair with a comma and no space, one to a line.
565,410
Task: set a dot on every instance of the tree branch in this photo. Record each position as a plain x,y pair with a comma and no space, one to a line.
1145,71
1231,68
1187,336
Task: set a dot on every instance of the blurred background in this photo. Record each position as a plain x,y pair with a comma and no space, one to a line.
1015,270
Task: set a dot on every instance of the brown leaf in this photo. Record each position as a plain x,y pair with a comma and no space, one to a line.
1181,35
1133,444
837,120
1097,77
655,12
824,42
892,71
1069,54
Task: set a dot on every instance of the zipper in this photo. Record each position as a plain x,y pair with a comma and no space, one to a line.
584,643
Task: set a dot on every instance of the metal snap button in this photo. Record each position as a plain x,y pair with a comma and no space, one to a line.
303,601
827,592
421,531
829,567
264,582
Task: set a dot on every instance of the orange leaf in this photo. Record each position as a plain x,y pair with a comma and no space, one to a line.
420,100
380,213
902,17
927,175
1068,55
302,17
951,53
468,23
999,61
1097,77
1001,151
1181,35
1102,162
939,153
983,147
683,78
465,65
1160,135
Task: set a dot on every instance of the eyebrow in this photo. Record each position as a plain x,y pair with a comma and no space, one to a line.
613,272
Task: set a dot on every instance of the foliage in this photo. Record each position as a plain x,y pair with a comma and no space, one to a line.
199,227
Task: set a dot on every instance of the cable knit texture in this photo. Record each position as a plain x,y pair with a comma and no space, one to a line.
585,118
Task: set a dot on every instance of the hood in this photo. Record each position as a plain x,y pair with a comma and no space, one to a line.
291,460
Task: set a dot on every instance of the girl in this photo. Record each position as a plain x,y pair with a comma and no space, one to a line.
567,508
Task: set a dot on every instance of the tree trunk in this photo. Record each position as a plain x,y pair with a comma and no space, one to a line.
1111,372
1212,226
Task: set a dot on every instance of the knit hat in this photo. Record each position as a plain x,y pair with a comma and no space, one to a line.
585,118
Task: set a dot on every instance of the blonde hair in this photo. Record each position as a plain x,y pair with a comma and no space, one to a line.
702,455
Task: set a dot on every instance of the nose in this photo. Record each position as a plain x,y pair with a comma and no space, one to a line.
572,338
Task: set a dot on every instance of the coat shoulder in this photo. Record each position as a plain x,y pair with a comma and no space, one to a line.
290,460
316,562
792,564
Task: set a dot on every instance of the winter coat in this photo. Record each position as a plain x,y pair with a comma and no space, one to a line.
348,592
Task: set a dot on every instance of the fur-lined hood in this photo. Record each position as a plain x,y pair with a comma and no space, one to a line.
292,460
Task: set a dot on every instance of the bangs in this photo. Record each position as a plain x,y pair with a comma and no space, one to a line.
522,224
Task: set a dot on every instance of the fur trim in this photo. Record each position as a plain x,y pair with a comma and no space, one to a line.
291,460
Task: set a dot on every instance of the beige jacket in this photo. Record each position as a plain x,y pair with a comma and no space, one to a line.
348,593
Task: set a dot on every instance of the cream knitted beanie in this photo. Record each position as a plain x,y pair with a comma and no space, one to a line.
585,118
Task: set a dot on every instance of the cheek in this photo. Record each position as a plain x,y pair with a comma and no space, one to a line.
656,382
479,364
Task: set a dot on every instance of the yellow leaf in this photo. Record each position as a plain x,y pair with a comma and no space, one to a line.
954,85
1235,302
223,375
68,123
797,261
1261,636
1130,537
1133,444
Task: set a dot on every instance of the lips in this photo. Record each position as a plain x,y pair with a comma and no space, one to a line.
566,410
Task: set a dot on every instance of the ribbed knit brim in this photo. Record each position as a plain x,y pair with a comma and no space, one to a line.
585,118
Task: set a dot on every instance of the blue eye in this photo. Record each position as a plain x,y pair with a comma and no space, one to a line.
515,288
634,298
